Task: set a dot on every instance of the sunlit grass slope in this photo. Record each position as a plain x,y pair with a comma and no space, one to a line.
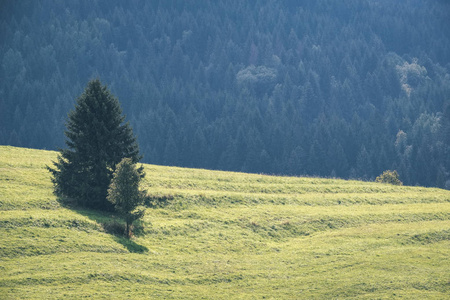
225,235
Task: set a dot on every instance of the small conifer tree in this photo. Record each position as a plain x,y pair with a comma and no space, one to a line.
124,193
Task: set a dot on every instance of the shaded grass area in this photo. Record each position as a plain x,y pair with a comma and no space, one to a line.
222,235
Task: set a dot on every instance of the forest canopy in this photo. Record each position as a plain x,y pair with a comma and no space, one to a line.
325,88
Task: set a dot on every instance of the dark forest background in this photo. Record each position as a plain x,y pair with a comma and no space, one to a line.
322,88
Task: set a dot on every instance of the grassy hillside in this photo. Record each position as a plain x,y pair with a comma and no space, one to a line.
224,235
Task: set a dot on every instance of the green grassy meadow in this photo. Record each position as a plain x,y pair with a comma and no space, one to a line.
224,235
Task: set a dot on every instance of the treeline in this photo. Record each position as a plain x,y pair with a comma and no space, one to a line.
327,88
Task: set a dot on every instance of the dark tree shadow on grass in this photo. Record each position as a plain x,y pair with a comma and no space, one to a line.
130,245
108,222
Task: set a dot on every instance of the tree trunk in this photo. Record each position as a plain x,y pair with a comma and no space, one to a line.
127,228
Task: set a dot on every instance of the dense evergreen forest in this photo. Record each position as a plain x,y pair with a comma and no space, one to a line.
325,88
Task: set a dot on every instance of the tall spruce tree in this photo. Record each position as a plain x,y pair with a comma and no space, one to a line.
97,140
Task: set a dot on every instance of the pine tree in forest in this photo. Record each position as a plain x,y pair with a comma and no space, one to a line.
97,140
